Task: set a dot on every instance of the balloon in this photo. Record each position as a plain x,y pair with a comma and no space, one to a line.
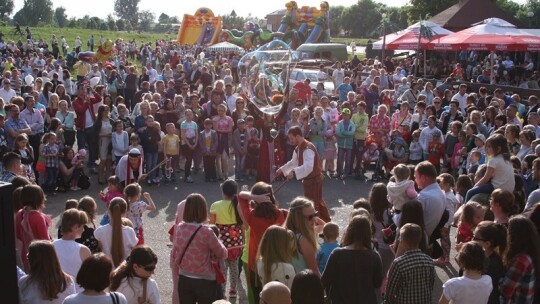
29,79
266,70
94,81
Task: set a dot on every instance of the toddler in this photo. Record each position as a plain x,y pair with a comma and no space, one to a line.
400,189
436,150
446,182
330,152
136,208
474,162
371,155
330,235
114,189
208,141
471,215
51,153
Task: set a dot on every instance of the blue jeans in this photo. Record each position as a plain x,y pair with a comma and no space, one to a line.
344,157
239,161
85,141
319,145
358,152
151,159
52,175
486,188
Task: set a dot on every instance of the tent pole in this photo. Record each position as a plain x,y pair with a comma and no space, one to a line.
425,61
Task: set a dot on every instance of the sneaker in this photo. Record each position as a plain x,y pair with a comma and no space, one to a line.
232,293
189,180
74,188
156,180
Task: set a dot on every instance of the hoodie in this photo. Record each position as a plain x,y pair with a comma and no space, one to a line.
400,192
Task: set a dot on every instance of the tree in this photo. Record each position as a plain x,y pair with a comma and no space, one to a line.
60,16
111,24
423,9
362,27
174,20
128,10
121,25
35,12
233,22
6,8
528,13
163,19
335,19
146,19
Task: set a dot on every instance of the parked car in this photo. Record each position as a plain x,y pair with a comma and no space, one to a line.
298,75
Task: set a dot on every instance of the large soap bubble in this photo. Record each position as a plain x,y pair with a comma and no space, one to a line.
265,72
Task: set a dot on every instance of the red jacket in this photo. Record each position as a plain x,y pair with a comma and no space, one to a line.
80,108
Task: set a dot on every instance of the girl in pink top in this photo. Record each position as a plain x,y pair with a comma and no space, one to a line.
114,189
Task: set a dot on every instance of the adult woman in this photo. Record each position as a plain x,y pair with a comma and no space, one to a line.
302,220
70,253
167,73
30,222
197,281
354,271
179,75
317,129
94,278
62,94
490,115
108,101
381,218
52,108
130,87
168,115
45,282
240,111
143,77
525,138
522,260
123,115
140,120
44,95
428,92
307,288
259,214
379,124
133,277
69,172
401,118
223,124
103,136
67,118
275,254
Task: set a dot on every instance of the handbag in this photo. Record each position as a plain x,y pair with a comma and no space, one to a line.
84,181
187,246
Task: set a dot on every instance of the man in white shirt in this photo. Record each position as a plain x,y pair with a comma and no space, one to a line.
230,98
338,75
508,64
431,196
461,97
321,75
152,74
6,92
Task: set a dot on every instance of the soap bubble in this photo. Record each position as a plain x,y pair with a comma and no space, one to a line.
264,73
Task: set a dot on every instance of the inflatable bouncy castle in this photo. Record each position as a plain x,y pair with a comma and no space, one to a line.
203,28
299,25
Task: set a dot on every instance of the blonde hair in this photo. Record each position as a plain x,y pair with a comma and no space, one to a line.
401,172
277,246
297,223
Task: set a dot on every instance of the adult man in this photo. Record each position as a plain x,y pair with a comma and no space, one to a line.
91,43
534,197
305,165
499,93
533,107
511,117
86,116
6,92
451,115
476,118
34,119
130,168
412,274
431,196
461,97
230,98
15,125
193,77
275,293
12,167
321,75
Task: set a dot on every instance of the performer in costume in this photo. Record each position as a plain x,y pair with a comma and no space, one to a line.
129,169
305,165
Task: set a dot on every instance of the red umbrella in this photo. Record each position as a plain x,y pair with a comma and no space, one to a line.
491,35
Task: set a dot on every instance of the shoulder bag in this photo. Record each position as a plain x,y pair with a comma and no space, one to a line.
187,246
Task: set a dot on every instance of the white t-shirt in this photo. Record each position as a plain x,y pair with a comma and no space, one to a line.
464,290
338,76
281,272
132,289
29,292
104,235
503,177
101,299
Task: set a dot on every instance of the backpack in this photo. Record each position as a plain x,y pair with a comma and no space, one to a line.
84,181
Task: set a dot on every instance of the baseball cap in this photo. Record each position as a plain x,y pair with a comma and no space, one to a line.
346,111
240,121
481,137
400,141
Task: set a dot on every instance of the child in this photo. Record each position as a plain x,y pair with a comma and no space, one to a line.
371,155
330,236
400,189
150,138
27,158
471,215
189,134
492,237
345,130
446,182
463,184
114,189
450,141
473,286
120,141
330,152
475,162
240,145
208,142
136,208
426,135
436,150
171,149
253,149
500,173
274,257
224,214
415,150
134,143
459,154
51,153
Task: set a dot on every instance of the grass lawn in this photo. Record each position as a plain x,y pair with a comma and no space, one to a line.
72,33
348,40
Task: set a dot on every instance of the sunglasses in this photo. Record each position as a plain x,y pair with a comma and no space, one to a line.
149,268
475,238
311,217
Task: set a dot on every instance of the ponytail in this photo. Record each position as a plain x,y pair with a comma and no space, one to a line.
117,208
234,204
123,271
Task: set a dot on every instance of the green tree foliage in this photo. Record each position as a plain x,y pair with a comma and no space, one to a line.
60,16
362,18
121,25
336,25
233,22
6,8
163,19
128,10
529,14
35,12
146,19
423,9
111,23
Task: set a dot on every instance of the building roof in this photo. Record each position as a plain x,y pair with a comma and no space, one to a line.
280,12
465,13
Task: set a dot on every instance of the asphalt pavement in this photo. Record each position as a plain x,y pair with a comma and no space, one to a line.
339,196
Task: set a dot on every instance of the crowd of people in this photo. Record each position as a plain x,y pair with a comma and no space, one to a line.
449,159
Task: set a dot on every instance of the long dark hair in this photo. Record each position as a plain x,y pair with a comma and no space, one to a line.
307,288
413,213
358,233
141,256
230,190
523,239
378,200
267,210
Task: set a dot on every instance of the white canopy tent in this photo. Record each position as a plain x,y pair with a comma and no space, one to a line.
225,47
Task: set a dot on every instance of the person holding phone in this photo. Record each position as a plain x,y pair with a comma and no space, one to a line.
84,106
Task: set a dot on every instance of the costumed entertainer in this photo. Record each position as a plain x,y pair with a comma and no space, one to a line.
305,165
130,169
265,123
